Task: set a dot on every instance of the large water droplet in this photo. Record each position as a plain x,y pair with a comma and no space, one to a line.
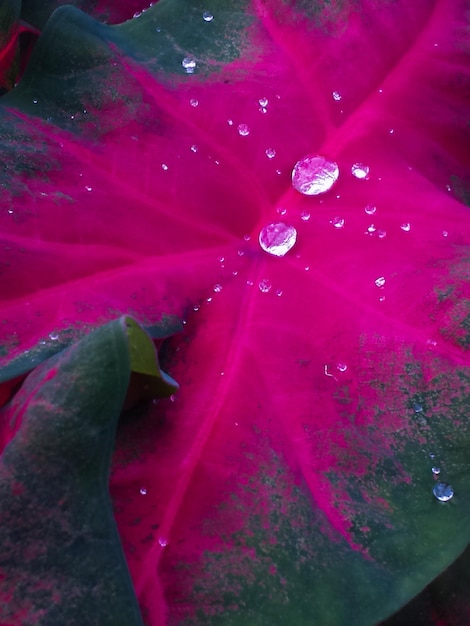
443,492
359,170
264,285
189,64
243,130
380,281
277,239
314,174
270,153
207,16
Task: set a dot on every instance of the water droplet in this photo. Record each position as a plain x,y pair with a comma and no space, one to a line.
305,216
207,16
278,172
209,300
264,285
35,100
163,542
249,283
164,167
436,470
359,170
158,29
278,238
279,292
307,268
189,64
445,233
370,209
336,96
281,210
443,492
137,14
193,102
53,336
10,211
88,188
240,252
243,130
270,153
406,226
221,259
194,148
341,367
263,110
449,188
381,234
263,102
371,229
217,288
391,131
247,237
230,122
418,408
196,307
143,491
338,222
314,174
380,281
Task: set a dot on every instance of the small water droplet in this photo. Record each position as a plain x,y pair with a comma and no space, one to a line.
240,252
243,130
217,288
221,259
370,209
336,96
445,233
196,307
341,367
194,148
270,153
163,542
193,102
143,491
436,470
263,102
279,292
314,174
10,211
54,336
307,268
418,408
305,216
247,237
277,238
207,16
382,299
164,167
406,226
391,131
189,64
264,285
263,110
443,492
359,170
380,281
278,172
209,300
371,229
338,222
158,29
249,283
230,122
88,188
281,210
449,188
35,100
382,234
137,14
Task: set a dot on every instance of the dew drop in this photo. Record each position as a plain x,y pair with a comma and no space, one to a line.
10,211
380,281
406,226
418,408
230,122
371,229
217,288
207,16
443,492
370,209
240,252
359,170
281,210
382,234
305,216
164,167
189,64
53,336
264,285
341,367
336,96
193,102
194,148
278,172
278,238
137,14
249,283
221,259
307,268
391,131
35,100
436,470
88,188
163,542
143,491
263,102
338,222
263,110
243,130
270,153
445,233
314,174
247,237
196,307
279,292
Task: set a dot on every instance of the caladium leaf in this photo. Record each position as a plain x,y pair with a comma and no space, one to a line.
290,481
61,556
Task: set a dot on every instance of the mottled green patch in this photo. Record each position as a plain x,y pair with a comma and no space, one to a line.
461,189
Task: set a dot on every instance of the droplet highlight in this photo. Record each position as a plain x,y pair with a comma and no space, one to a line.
443,492
314,174
277,238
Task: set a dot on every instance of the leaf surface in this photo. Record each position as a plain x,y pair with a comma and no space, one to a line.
289,482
